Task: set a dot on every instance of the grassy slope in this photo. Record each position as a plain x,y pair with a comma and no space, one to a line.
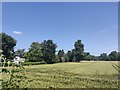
70,75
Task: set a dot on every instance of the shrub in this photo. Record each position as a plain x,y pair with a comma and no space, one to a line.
34,63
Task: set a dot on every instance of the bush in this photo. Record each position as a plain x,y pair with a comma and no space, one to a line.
34,63
24,63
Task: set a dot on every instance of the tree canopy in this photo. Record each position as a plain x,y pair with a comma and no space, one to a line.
34,54
79,49
61,55
46,51
8,43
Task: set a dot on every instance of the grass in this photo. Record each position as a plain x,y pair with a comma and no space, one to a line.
86,74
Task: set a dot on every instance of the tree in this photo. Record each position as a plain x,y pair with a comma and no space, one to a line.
70,56
20,52
86,56
48,51
56,60
92,57
113,56
73,55
34,54
61,55
103,56
66,58
79,49
7,43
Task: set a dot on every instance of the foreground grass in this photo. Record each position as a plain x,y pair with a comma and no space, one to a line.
68,75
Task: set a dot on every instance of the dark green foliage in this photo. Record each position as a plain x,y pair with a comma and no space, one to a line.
56,60
92,57
103,56
61,55
79,49
7,44
48,51
45,52
86,56
73,55
66,58
70,56
33,63
113,56
41,52
34,54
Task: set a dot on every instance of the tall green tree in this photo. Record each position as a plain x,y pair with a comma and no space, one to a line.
8,43
70,56
66,57
113,56
61,55
34,54
48,51
73,55
79,50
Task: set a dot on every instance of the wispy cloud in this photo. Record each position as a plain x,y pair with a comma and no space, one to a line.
17,32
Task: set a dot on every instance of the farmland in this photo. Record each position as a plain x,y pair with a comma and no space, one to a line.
84,74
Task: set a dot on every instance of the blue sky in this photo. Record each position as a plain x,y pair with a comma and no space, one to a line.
96,24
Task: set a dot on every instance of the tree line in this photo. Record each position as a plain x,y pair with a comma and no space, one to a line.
46,52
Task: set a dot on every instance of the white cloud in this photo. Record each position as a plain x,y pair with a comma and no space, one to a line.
17,32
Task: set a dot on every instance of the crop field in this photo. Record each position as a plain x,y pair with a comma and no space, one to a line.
85,74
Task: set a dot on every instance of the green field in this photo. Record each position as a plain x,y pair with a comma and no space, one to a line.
85,74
